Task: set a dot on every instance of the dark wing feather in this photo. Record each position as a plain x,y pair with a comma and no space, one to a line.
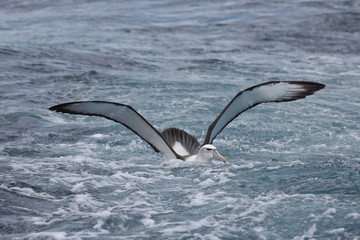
173,135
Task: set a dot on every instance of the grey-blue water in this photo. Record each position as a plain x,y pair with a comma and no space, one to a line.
294,168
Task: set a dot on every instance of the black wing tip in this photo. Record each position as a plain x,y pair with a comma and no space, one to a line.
57,108
311,86
62,107
309,89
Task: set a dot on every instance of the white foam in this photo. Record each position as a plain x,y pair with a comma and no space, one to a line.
353,215
78,187
249,165
308,234
132,178
27,192
81,202
258,209
98,135
100,223
199,199
46,235
55,118
328,213
207,183
148,222
188,226
274,168
336,230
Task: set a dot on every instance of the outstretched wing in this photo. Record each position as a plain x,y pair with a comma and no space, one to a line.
266,92
125,115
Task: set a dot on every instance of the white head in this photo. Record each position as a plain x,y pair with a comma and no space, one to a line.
208,152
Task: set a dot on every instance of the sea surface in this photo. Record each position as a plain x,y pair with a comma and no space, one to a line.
293,168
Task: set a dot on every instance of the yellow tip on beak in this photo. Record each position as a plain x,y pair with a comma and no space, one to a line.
218,156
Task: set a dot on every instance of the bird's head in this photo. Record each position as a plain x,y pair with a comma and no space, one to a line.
208,152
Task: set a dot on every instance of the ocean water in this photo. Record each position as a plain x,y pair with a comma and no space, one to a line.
293,169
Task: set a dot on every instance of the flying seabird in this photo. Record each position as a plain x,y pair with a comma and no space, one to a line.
175,143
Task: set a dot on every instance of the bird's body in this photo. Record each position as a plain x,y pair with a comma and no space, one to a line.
175,143
205,153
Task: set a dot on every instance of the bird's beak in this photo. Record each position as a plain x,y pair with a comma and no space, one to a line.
218,156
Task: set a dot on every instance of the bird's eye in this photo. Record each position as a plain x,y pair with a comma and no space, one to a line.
209,149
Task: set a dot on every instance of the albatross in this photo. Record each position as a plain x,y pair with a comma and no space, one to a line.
175,143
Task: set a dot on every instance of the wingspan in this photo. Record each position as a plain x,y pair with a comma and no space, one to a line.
266,92
125,115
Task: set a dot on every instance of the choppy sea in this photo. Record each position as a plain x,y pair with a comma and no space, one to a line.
293,168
